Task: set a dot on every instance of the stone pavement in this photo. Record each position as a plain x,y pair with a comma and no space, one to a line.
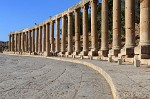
24,77
126,81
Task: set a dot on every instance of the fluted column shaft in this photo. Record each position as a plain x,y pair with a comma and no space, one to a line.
130,23
104,26
70,33
40,39
85,29
94,34
63,41
33,40
37,39
52,37
77,31
10,42
57,35
116,24
16,43
47,39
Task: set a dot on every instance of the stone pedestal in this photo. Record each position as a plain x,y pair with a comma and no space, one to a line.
103,53
114,52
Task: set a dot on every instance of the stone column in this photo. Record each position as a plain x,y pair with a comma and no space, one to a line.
16,43
128,50
37,37
19,36
130,23
30,41
104,29
63,41
33,40
85,31
116,28
94,34
57,35
70,33
27,41
47,39
52,37
13,43
40,39
44,38
10,43
77,32
22,42
143,50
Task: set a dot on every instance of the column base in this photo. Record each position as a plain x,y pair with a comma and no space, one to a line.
68,53
84,53
76,53
103,53
114,52
48,54
62,54
143,51
93,53
129,52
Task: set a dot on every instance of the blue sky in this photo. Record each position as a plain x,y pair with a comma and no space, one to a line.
19,14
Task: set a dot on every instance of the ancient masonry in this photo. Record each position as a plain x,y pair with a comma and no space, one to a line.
40,40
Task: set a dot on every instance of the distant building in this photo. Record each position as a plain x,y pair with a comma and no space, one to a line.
3,45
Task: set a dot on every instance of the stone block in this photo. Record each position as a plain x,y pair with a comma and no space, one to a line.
119,61
109,59
103,53
93,53
137,63
114,52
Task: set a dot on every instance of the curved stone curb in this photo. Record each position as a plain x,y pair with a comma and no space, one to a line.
94,67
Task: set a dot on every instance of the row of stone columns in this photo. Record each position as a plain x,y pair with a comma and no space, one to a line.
51,45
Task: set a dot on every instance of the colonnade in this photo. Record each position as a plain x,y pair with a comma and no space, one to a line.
41,38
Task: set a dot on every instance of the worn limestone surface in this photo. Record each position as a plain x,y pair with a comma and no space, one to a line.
39,78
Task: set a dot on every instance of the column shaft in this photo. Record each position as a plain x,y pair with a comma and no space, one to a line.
30,41
58,35
63,41
70,33
22,42
13,42
19,42
85,29
47,39
40,39
16,43
52,37
104,26
37,39
44,38
77,31
94,34
10,42
27,40
145,22
33,40
130,23
116,24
